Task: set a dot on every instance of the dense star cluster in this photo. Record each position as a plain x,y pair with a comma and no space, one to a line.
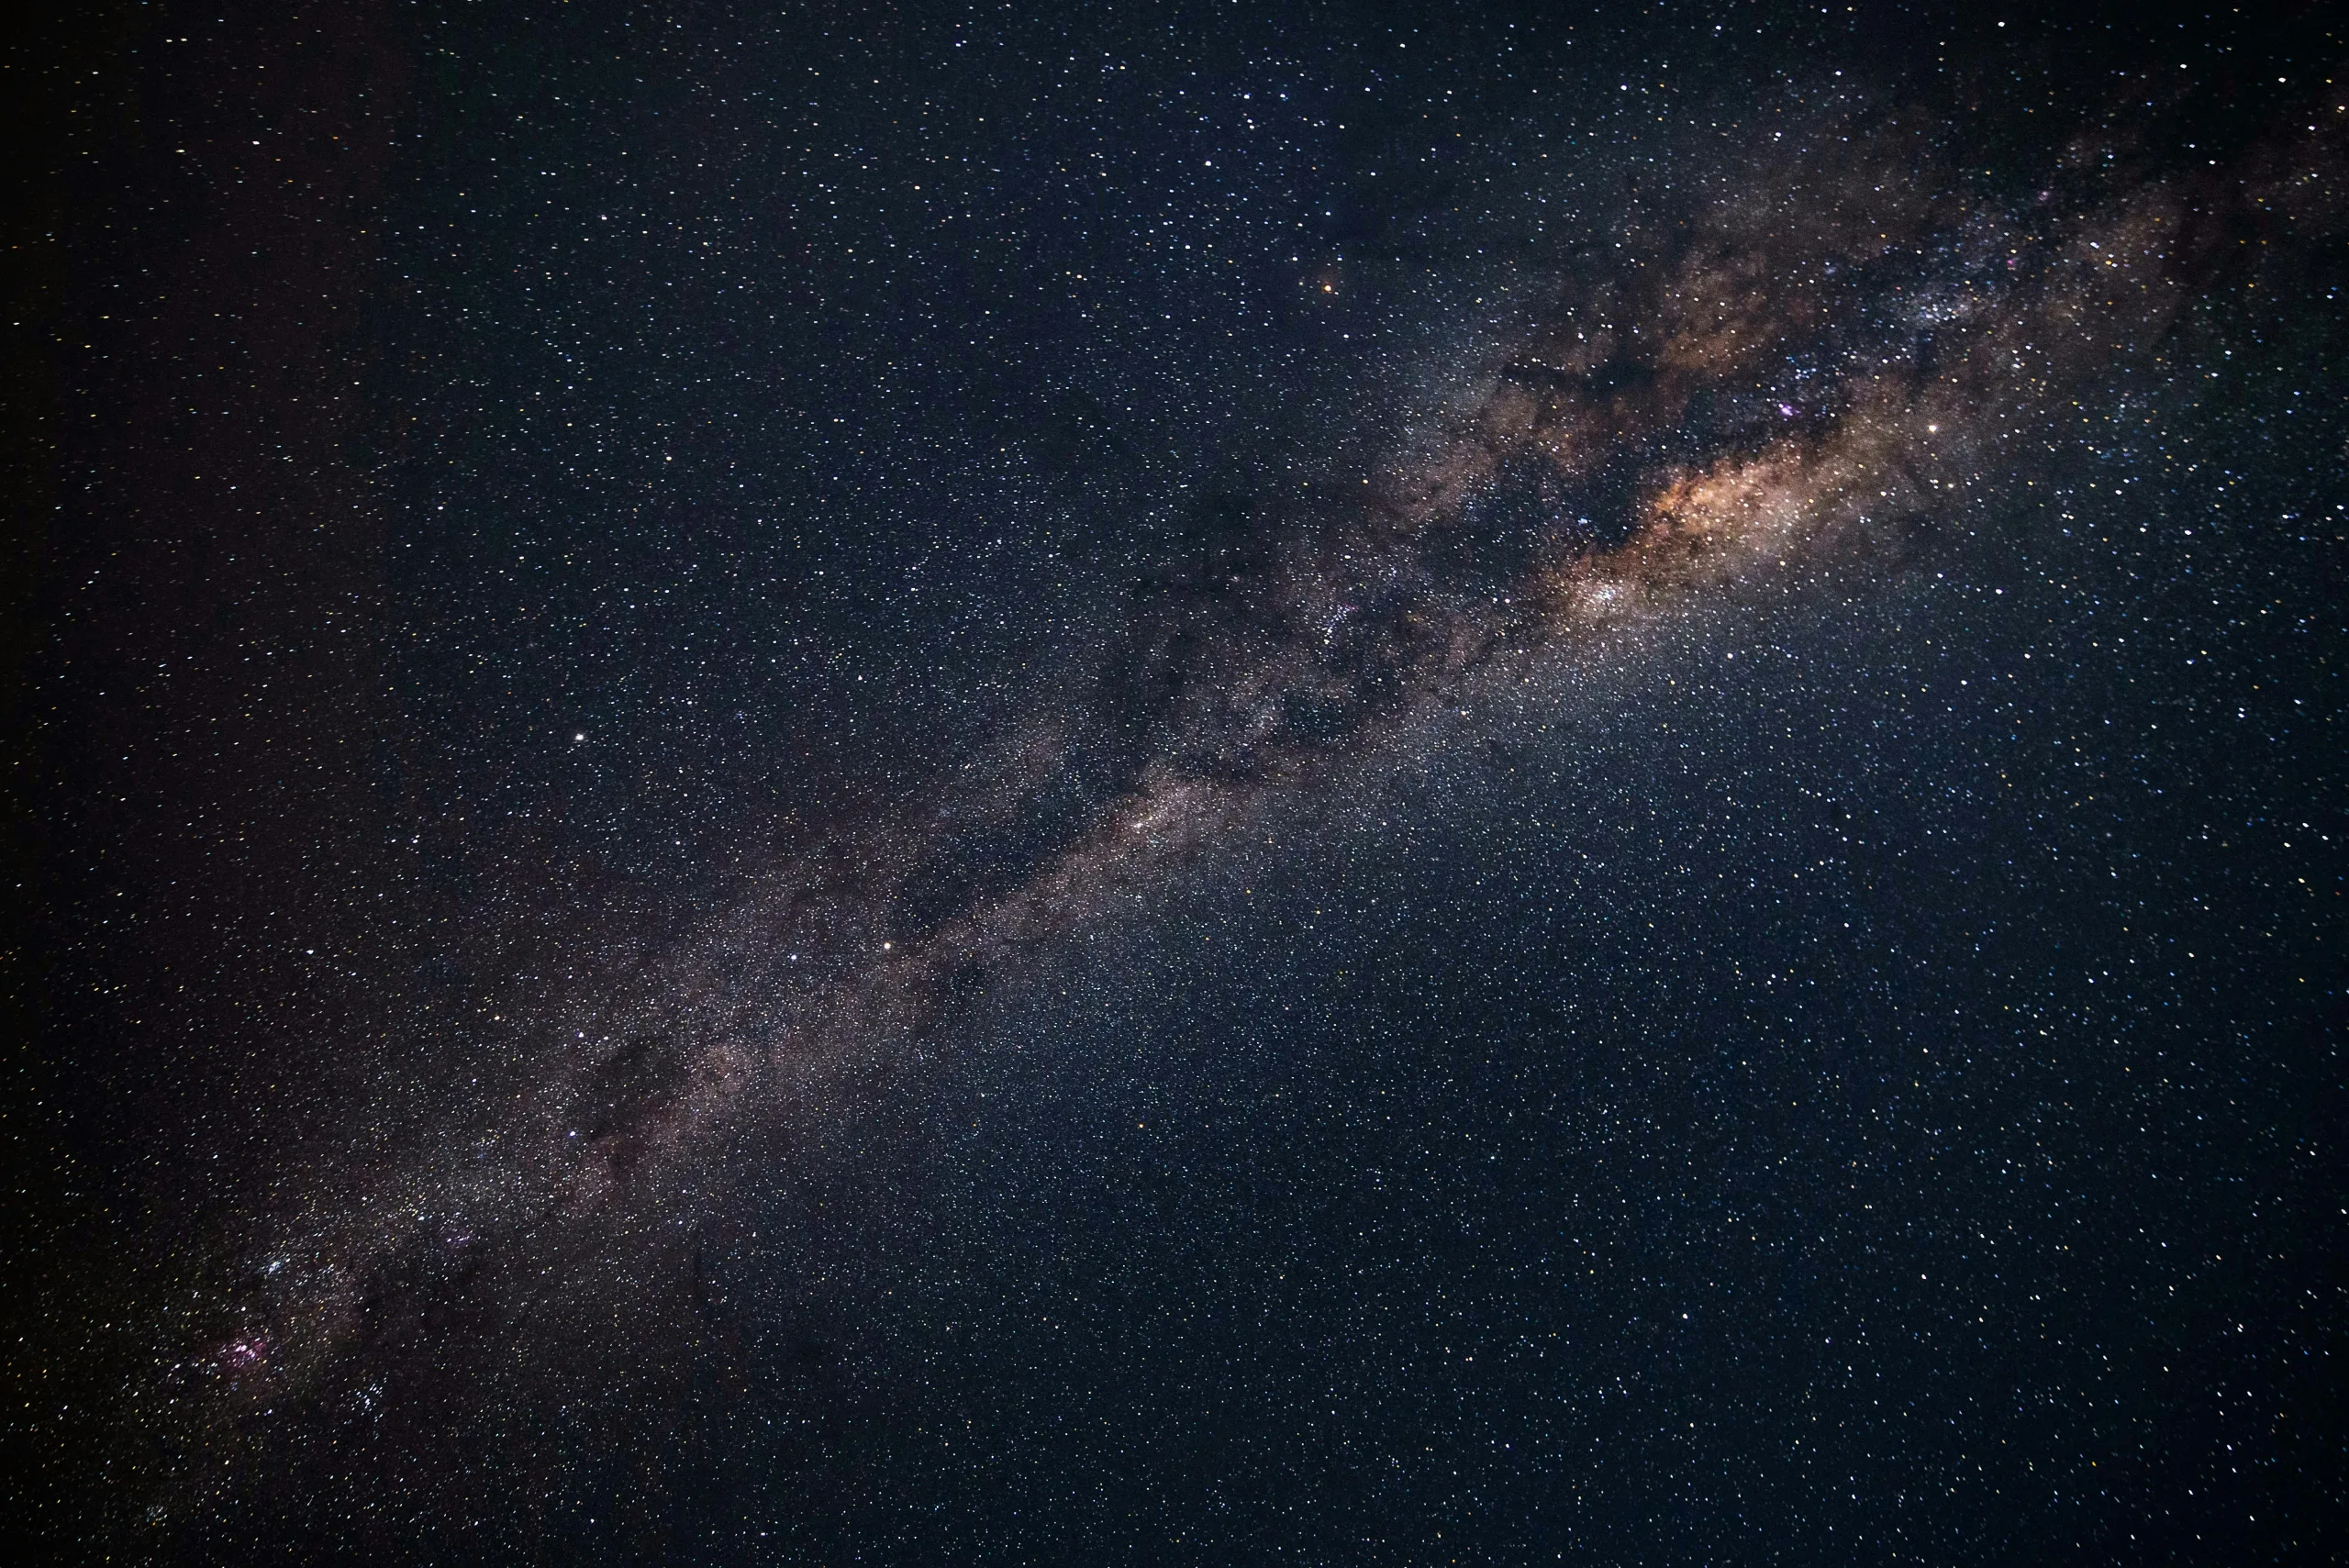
1219,784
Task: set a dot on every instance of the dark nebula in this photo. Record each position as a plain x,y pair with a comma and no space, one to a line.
1219,783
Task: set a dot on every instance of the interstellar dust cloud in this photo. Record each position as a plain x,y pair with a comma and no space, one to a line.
1852,336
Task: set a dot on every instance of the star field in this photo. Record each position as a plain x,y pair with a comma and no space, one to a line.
1317,784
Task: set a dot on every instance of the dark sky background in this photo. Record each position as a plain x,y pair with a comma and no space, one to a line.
1207,784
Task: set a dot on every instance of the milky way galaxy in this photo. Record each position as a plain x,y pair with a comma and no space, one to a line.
1839,330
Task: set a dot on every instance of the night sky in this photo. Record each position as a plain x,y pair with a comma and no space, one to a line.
1223,783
